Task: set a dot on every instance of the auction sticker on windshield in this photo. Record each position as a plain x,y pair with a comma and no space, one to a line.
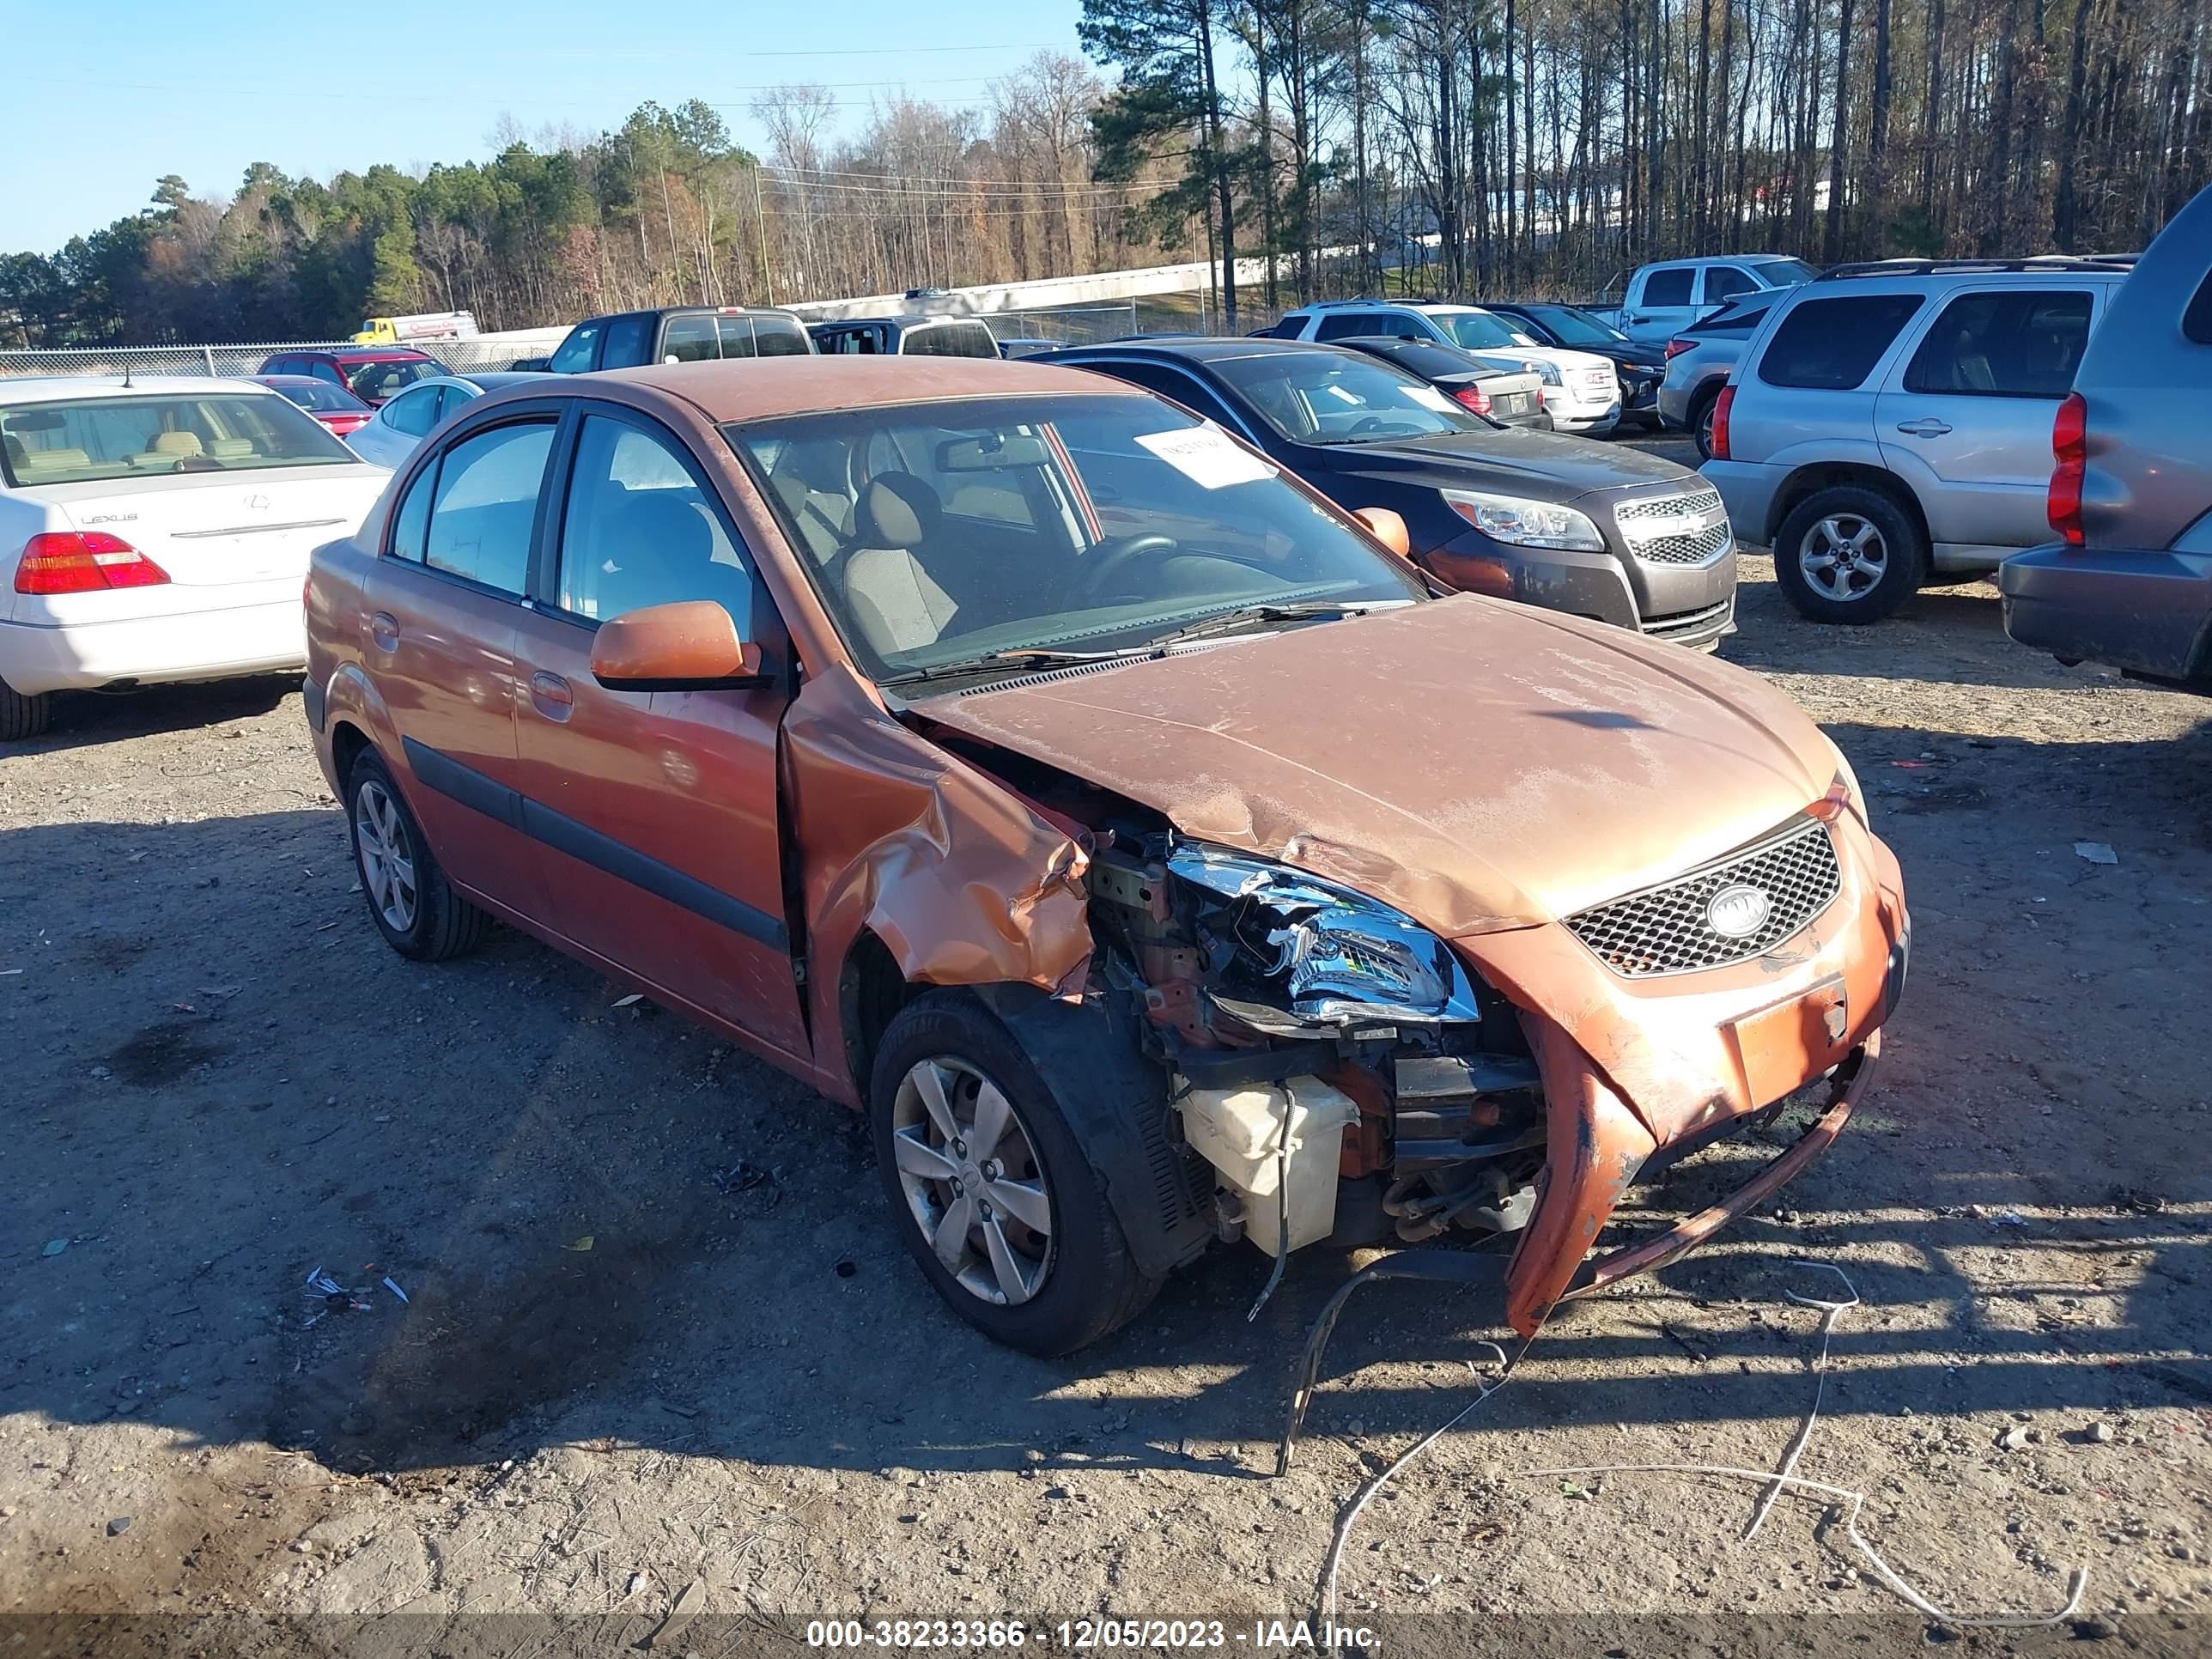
1205,455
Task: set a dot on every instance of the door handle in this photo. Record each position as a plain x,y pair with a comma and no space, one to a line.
550,696
384,631
1923,428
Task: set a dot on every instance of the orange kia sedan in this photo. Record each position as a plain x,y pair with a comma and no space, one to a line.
1135,837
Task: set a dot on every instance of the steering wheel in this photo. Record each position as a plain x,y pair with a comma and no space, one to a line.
1369,423
1109,556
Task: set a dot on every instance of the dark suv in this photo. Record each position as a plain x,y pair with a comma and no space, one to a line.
680,334
1610,533
2128,582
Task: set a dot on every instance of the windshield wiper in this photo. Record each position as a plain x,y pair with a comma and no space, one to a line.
1298,612
1019,656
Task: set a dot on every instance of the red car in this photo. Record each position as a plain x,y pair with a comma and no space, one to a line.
333,406
375,374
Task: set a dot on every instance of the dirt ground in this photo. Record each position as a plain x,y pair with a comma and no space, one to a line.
660,1341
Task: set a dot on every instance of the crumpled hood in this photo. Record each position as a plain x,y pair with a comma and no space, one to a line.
1479,764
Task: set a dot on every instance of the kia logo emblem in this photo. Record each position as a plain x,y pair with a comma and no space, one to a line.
1736,912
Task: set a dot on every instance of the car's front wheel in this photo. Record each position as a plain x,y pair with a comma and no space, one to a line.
21,717
410,900
1849,554
990,1186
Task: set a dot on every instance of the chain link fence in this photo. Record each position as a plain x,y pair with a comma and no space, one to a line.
1167,313
459,356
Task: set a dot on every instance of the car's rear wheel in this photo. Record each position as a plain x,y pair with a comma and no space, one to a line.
21,717
410,901
990,1186
1701,422
1849,554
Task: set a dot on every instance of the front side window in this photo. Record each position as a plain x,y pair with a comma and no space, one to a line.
1321,398
1670,287
486,502
1570,325
2003,345
318,394
1175,384
1787,273
328,374
689,339
1832,345
630,340
1355,324
87,439
639,531
1134,520
413,412
1739,317
575,353
1478,331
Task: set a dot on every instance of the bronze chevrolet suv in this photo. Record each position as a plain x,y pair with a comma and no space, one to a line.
1130,832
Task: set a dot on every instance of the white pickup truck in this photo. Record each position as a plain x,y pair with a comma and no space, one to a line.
1661,300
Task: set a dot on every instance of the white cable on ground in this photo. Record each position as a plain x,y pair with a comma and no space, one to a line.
2074,1583
1788,1477
1833,1311
1390,1470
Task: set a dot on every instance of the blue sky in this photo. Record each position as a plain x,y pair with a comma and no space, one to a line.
127,90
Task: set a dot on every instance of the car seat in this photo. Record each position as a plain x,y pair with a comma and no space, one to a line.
895,601
812,480
659,548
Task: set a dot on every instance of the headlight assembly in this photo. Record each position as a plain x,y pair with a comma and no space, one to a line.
1523,523
1334,954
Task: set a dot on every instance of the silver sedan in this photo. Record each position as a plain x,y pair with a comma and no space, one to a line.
405,422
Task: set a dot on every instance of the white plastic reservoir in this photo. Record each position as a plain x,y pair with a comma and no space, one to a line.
1241,1132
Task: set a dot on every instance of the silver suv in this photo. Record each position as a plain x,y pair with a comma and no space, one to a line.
1889,424
2128,582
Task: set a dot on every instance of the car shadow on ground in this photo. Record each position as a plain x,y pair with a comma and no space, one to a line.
610,1230
84,719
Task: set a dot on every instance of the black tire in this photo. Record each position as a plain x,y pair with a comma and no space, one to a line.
1701,420
440,924
1091,1284
22,717
1888,568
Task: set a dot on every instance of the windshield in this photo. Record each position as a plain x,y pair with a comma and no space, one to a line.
939,532
1332,398
1577,327
380,381
1480,330
1784,272
90,439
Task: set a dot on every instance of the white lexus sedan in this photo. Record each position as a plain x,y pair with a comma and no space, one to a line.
158,531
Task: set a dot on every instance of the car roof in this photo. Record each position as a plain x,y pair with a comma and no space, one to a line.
53,388
1205,349
750,388
359,354
903,319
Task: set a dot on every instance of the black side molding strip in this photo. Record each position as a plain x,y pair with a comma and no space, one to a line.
472,789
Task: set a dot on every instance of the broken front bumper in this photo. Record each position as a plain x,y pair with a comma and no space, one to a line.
1632,1066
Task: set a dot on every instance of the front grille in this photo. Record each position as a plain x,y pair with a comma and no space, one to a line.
1664,929
1675,529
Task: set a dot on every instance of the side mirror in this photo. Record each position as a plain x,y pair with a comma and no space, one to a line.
689,646
1388,528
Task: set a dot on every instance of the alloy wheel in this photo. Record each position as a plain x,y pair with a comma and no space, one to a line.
972,1180
1843,556
387,856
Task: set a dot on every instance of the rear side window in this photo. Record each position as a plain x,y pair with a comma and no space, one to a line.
1738,319
1832,345
575,357
1670,287
1724,281
486,502
2197,321
413,412
952,340
689,340
781,336
2003,345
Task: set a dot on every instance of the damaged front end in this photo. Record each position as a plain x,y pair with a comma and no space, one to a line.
1331,1059
1349,1075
